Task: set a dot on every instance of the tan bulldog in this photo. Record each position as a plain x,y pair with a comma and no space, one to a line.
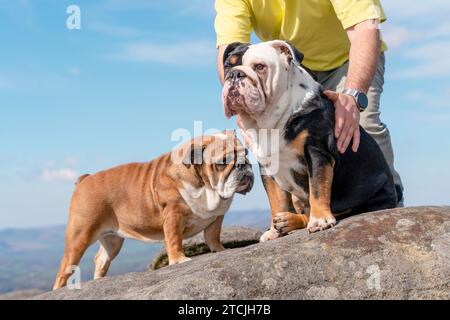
171,198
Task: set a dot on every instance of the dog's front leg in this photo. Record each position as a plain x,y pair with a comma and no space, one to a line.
320,167
283,221
173,225
212,235
279,202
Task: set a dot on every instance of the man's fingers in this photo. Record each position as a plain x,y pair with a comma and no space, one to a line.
332,95
356,140
339,124
342,137
346,143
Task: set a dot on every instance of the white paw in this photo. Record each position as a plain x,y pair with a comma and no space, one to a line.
319,224
185,259
269,235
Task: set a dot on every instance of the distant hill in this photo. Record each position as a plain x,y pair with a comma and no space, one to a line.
29,258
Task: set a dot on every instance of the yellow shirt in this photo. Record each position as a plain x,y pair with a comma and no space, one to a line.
315,27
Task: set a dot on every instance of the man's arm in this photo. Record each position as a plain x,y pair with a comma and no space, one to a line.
364,54
220,52
233,23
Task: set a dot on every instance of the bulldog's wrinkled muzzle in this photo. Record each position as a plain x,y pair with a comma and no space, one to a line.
242,93
246,178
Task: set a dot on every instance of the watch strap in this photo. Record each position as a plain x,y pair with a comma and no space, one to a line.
354,93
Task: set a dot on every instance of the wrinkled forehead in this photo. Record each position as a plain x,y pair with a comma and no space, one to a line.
224,147
262,52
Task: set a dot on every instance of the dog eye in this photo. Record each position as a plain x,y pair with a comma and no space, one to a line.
259,67
220,166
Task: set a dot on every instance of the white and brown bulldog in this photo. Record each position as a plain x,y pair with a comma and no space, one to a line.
290,125
170,198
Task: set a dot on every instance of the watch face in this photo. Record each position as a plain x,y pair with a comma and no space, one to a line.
362,100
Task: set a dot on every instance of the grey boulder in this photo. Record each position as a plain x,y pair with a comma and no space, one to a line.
390,254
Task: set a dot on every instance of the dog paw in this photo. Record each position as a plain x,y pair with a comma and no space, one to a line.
286,222
319,224
217,248
182,260
269,235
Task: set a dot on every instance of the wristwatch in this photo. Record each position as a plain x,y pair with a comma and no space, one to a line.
360,97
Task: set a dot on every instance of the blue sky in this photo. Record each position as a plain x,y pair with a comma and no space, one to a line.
77,101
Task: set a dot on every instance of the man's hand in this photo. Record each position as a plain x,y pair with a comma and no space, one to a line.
347,120
364,54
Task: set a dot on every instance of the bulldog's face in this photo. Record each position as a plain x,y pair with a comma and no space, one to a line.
222,163
256,75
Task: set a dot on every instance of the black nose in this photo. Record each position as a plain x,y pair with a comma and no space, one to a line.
247,180
241,166
236,74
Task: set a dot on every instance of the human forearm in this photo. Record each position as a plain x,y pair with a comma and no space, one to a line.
220,71
364,55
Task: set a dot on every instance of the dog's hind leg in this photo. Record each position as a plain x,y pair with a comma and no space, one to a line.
110,246
77,241
321,171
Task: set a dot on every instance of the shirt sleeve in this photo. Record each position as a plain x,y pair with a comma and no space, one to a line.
233,21
351,12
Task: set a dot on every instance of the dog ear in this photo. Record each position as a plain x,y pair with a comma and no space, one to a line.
229,49
233,55
289,50
194,154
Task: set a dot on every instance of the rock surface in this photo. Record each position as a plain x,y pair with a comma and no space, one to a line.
21,294
391,254
232,237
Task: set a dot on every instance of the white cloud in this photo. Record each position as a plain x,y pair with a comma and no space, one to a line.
415,23
399,36
434,99
419,34
430,60
421,10
396,36
194,53
441,30
62,174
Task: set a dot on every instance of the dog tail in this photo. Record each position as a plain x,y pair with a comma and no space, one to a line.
81,178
